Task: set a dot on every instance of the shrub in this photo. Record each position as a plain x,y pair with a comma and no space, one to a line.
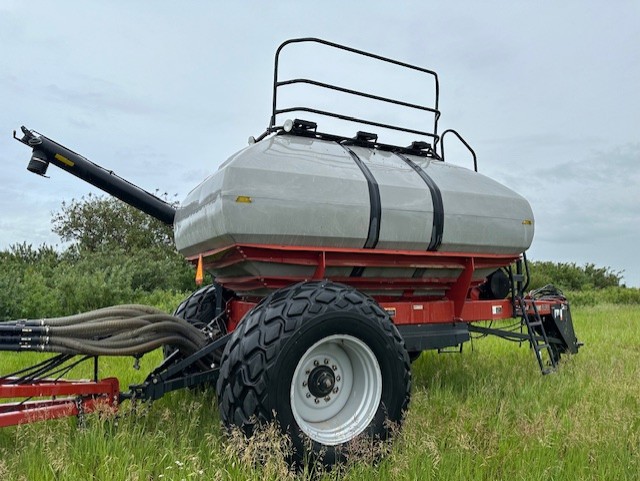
609,295
572,277
44,283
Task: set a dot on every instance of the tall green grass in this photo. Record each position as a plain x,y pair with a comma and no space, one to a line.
484,414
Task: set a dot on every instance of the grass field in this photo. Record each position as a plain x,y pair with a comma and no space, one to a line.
485,414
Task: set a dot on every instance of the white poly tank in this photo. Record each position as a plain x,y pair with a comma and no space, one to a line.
299,191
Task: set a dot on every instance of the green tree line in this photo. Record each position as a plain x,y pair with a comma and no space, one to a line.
116,254
573,277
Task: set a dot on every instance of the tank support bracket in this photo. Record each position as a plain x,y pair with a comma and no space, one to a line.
460,288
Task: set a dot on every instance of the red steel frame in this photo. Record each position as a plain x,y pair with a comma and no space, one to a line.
81,397
459,304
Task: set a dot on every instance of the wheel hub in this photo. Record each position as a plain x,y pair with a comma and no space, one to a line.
321,381
336,389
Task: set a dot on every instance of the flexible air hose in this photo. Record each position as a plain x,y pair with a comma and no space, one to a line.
93,328
114,331
135,338
185,344
69,346
123,311
195,336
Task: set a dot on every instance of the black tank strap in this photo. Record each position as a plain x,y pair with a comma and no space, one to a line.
436,200
375,212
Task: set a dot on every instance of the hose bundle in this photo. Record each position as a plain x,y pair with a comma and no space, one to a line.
548,291
126,330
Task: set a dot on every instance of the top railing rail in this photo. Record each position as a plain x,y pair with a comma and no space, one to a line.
278,83
464,142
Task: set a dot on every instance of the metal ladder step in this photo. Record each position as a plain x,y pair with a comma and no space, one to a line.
537,338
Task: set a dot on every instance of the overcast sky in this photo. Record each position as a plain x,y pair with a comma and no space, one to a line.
547,93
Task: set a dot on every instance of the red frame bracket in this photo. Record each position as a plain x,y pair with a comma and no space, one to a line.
460,288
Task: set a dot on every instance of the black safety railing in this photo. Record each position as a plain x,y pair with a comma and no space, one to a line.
464,142
280,83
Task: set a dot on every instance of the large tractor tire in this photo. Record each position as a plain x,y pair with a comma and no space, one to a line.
324,362
199,309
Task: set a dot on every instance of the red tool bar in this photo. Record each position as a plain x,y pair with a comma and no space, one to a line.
87,396
56,388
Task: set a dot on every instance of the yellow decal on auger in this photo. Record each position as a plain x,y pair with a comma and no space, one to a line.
64,160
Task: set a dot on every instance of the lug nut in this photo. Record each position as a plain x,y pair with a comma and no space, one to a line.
326,361
304,383
308,395
334,367
316,400
316,363
335,390
307,371
338,378
327,399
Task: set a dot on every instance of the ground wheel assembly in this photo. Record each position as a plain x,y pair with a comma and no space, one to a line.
322,360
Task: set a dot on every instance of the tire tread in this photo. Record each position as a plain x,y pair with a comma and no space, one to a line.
251,351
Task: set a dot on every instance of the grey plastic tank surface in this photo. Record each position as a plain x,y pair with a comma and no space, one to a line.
294,190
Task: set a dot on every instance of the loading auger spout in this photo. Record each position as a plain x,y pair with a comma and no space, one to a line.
47,151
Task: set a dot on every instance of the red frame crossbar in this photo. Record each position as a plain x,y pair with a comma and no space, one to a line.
82,397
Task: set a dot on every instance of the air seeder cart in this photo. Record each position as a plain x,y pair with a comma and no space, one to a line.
337,260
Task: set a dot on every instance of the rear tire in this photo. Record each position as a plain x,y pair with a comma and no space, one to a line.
199,309
322,360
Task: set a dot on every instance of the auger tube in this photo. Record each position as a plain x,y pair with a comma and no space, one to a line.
46,151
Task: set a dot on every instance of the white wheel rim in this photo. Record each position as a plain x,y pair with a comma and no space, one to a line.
336,389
